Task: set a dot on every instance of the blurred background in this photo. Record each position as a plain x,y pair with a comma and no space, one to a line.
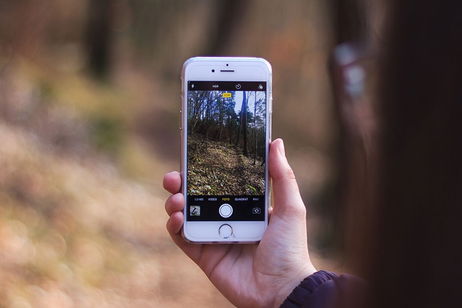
89,117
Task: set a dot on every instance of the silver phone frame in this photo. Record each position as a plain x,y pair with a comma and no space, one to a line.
216,62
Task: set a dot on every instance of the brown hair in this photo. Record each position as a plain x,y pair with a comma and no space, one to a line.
415,248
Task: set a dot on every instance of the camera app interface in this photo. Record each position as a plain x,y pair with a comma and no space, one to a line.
226,151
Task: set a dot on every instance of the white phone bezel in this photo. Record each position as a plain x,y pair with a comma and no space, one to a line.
244,69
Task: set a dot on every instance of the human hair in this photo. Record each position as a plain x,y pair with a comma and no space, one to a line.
414,244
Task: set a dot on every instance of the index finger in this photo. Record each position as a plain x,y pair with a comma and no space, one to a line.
172,182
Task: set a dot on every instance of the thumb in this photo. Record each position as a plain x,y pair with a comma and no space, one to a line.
286,195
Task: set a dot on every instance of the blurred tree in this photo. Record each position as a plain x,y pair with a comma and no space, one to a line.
228,16
99,37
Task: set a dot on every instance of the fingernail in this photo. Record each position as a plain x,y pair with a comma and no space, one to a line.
281,148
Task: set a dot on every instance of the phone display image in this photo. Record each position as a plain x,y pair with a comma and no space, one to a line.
226,150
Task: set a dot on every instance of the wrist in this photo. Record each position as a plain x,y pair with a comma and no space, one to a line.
292,282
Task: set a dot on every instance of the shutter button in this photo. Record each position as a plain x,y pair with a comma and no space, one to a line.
225,210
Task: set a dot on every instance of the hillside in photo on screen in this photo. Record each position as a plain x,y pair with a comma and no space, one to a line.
226,142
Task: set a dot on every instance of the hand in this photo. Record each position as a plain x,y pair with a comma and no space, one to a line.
257,275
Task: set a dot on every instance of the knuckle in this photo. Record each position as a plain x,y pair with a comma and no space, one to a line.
292,209
167,204
289,174
167,225
298,210
286,174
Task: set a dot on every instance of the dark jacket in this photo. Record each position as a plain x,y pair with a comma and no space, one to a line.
322,289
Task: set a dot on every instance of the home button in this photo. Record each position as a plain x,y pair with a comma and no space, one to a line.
225,231
225,210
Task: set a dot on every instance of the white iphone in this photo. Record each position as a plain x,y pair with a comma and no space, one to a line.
226,131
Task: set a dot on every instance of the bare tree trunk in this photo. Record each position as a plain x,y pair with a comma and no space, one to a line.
208,111
239,130
221,128
244,126
99,36
221,117
229,14
242,118
255,128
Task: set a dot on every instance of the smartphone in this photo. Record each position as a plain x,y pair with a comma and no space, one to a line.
226,132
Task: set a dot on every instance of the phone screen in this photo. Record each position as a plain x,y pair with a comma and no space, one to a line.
226,150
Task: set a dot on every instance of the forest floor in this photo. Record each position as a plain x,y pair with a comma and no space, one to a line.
218,168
